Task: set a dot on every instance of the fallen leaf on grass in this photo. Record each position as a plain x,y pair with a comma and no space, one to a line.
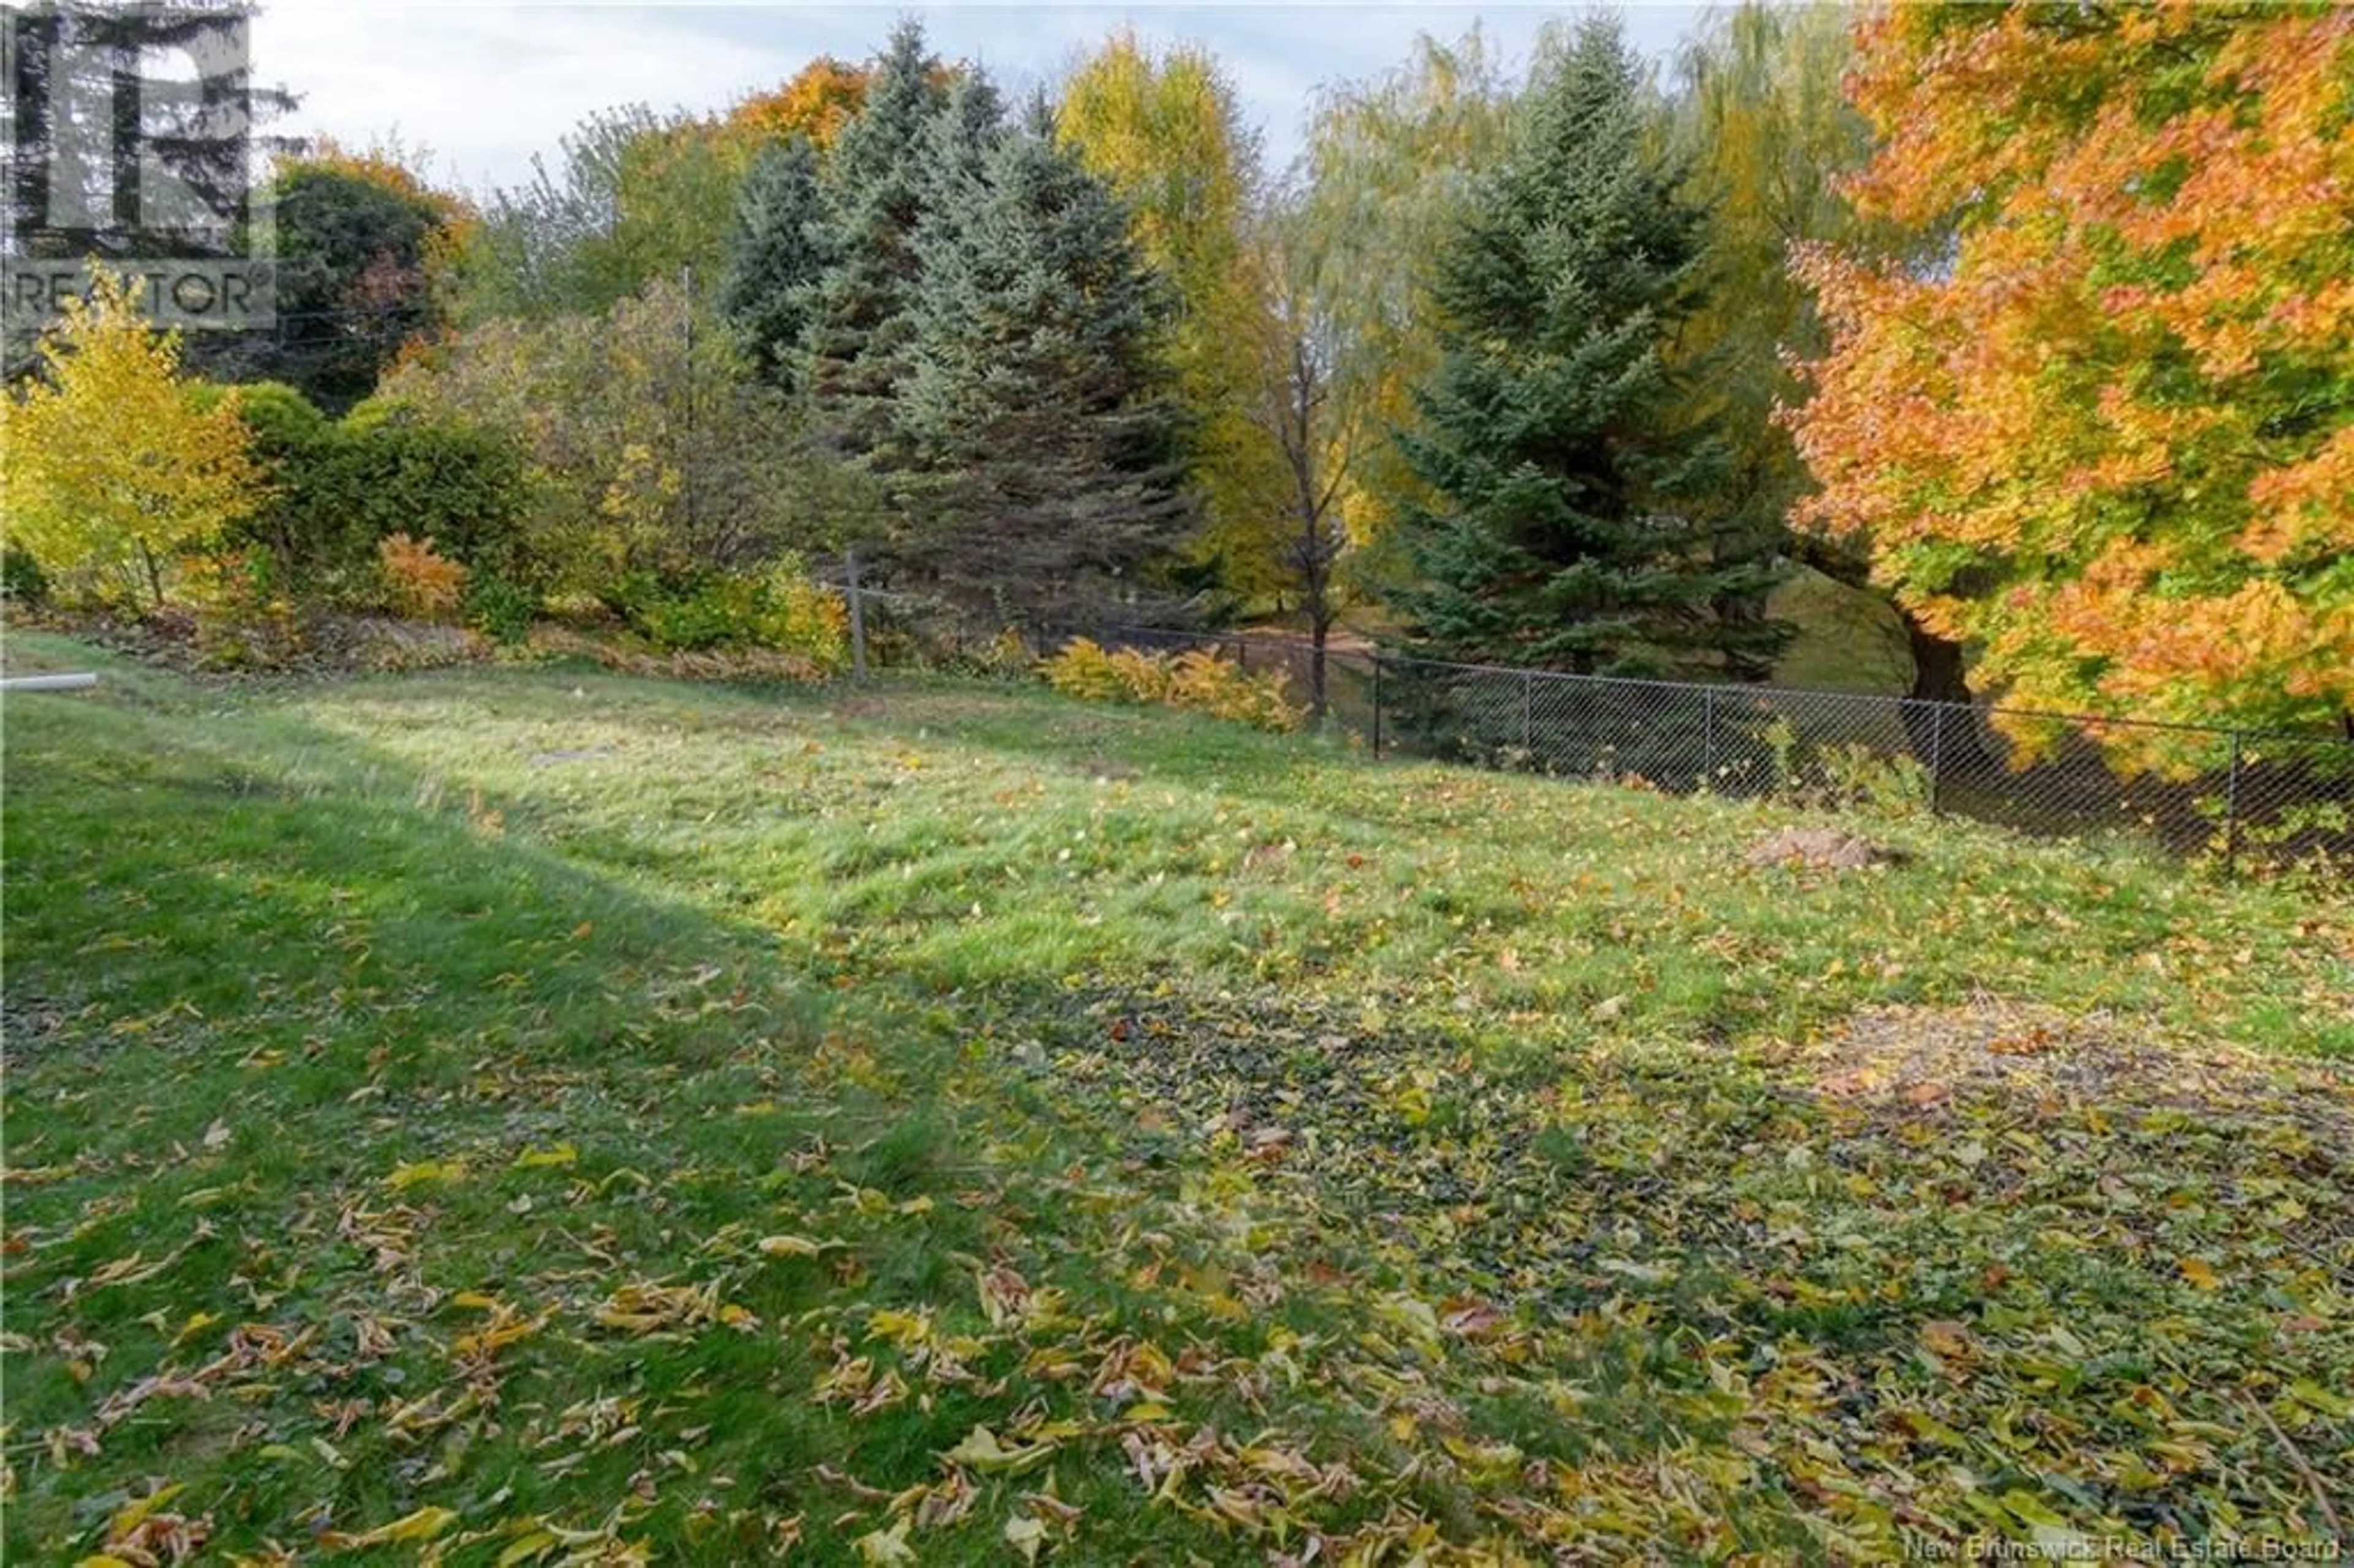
796,1246
133,1514
981,1451
1026,1535
505,1328
885,1548
641,1307
423,1525
1948,1340
404,1177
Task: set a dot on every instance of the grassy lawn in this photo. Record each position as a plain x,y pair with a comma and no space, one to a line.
535,1116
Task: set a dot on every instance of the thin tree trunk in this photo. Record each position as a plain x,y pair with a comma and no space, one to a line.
1319,630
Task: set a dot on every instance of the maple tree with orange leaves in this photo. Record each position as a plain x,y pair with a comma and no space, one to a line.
2105,435
816,103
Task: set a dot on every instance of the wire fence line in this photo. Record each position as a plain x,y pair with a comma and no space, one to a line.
2244,797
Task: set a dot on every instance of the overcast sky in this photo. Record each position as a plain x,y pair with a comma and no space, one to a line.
481,87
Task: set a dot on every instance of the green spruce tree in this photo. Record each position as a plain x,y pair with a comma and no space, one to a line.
1038,427
1578,517
778,253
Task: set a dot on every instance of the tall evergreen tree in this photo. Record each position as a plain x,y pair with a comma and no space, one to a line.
1040,425
952,164
1574,518
969,128
778,251
858,319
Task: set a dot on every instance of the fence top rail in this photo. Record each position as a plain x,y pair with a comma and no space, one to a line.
2092,722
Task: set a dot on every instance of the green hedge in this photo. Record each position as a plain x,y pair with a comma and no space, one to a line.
342,485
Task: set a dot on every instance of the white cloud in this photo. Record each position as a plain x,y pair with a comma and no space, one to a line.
485,87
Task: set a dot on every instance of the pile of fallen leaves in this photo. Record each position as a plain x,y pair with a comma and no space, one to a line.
1940,1273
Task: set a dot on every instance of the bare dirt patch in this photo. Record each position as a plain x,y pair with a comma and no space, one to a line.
1912,1058
1819,848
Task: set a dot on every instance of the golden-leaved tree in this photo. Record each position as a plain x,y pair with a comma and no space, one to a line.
2107,437
1164,131
816,102
108,469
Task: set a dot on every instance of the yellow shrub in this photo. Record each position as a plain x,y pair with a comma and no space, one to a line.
1004,654
1213,685
1084,670
1196,680
798,617
111,468
1144,677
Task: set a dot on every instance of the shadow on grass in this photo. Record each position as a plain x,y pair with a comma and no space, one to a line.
254,988
308,1049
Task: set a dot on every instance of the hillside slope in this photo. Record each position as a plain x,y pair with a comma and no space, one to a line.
534,1116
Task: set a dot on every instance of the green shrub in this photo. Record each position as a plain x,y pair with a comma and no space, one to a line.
780,609
1858,778
290,440
689,624
500,609
390,472
285,424
340,488
22,581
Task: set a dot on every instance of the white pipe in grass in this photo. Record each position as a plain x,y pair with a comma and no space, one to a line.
49,682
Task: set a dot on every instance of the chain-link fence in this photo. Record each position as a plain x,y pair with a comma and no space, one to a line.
2244,797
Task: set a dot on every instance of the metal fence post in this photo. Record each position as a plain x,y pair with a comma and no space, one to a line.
1529,712
857,615
1708,735
2232,811
1377,704
1936,757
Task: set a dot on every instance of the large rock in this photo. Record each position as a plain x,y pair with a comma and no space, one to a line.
1850,638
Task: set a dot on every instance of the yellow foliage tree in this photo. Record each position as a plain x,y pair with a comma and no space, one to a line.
1165,131
109,467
